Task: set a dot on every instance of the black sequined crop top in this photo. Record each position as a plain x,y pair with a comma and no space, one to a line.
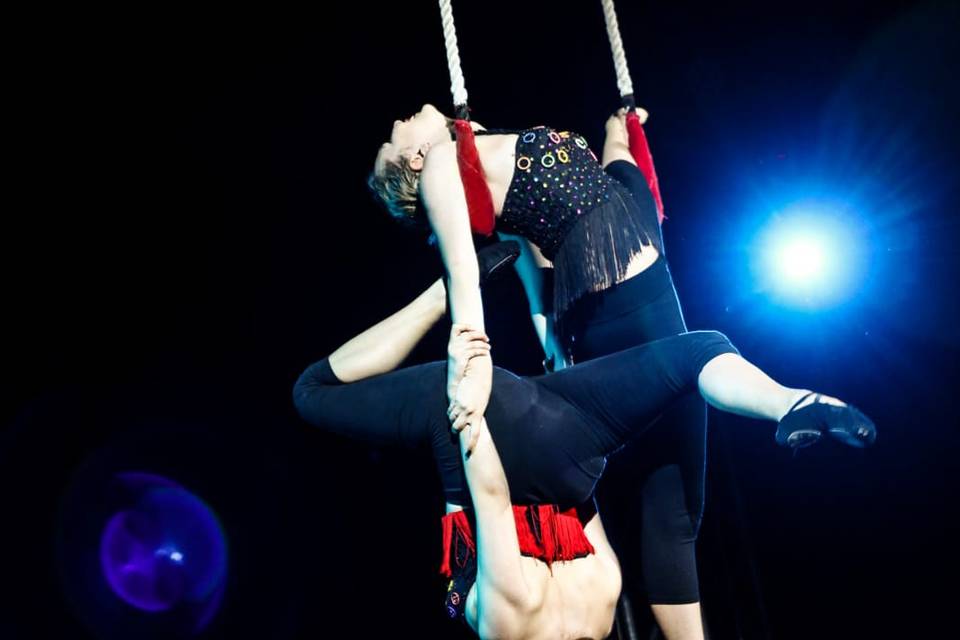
557,179
582,219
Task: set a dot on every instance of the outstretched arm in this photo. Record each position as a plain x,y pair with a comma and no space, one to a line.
449,217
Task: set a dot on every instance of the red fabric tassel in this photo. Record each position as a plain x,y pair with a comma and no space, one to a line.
543,531
525,534
548,531
456,527
640,151
479,199
447,523
571,540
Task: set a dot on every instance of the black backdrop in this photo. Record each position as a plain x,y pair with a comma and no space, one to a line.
187,227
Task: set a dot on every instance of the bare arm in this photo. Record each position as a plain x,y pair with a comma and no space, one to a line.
447,211
501,589
616,146
446,206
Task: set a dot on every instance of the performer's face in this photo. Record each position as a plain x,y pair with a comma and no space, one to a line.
411,138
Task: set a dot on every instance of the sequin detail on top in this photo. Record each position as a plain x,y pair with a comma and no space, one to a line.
581,218
556,180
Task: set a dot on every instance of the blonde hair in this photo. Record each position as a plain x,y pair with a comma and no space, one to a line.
397,187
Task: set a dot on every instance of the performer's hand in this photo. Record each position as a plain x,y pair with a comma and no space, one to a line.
469,403
465,343
471,392
622,114
554,358
617,127
470,399
617,123
470,436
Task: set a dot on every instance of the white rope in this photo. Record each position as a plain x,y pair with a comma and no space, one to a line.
457,87
616,46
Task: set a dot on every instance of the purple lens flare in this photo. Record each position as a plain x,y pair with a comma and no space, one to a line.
166,549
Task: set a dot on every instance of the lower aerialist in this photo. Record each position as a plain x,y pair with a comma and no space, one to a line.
524,548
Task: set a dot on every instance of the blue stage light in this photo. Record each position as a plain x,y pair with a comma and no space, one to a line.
808,257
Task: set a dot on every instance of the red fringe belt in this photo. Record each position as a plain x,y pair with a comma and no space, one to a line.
544,532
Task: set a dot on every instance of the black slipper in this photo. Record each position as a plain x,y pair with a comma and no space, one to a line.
805,426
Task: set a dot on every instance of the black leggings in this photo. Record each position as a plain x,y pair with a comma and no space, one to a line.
664,473
552,432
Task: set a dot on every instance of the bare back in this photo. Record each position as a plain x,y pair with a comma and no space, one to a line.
573,600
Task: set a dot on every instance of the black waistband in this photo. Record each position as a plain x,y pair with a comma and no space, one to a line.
623,297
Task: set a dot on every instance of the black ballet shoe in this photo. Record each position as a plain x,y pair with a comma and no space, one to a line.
806,426
493,260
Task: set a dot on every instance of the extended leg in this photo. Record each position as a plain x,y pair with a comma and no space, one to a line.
381,406
385,345
731,383
626,390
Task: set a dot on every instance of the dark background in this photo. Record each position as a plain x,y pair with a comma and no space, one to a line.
187,228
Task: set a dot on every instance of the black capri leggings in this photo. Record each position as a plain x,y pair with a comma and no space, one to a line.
552,432
656,485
